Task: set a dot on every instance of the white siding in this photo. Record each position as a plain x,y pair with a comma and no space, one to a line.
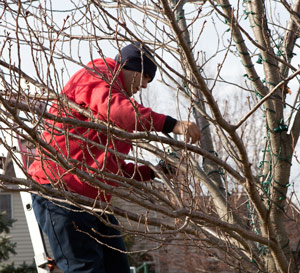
20,234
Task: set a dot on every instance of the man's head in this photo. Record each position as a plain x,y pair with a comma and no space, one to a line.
138,68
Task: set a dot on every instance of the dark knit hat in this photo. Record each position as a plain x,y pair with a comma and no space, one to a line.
136,57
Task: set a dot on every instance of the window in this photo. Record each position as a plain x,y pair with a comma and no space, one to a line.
5,206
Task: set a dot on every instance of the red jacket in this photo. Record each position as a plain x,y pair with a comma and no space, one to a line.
89,90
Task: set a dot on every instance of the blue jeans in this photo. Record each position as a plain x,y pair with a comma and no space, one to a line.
75,251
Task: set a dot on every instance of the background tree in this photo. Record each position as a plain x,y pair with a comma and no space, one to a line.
6,246
202,52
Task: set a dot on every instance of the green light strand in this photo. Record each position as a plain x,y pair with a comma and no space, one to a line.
219,171
267,61
224,6
261,163
251,79
258,94
280,53
247,13
243,53
270,111
259,60
283,186
241,41
270,83
286,159
248,65
263,250
281,128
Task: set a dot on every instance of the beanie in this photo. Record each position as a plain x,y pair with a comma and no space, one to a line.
135,57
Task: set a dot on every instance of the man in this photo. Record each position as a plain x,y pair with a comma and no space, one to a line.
104,87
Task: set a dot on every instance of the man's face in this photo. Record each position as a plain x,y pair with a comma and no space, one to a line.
135,81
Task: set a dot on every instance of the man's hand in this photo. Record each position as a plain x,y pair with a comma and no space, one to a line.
190,130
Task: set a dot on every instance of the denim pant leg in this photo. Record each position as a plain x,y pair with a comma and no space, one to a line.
114,261
75,251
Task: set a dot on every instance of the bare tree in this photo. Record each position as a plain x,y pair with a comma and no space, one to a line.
202,52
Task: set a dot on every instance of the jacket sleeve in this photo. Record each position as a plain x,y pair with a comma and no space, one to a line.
138,172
